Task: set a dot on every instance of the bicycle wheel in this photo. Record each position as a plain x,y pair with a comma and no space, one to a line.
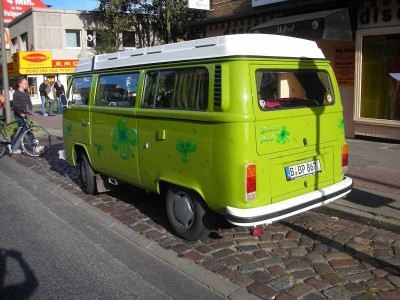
36,141
3,146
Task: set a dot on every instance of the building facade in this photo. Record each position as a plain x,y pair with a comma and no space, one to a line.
360,37
46,44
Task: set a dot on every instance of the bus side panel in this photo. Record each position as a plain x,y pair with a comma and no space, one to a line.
176,151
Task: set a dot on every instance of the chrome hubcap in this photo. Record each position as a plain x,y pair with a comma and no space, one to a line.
183,209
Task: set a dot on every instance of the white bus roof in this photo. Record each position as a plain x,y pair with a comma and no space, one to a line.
242,45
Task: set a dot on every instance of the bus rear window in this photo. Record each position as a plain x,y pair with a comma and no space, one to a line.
293,89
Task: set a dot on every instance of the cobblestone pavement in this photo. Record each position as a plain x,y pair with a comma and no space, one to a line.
308,256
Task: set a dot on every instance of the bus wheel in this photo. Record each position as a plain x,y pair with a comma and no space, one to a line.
88,176
185,213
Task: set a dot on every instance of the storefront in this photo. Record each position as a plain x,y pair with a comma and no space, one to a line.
38,66
377,83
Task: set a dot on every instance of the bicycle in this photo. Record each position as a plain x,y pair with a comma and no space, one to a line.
35,140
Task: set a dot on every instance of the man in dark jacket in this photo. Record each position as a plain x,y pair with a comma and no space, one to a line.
43,95
59,91
22,105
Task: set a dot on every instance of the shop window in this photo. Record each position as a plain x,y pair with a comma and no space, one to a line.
73,38
380,77
117,90
32,86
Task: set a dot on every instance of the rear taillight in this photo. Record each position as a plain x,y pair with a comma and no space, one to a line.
251,178
345,158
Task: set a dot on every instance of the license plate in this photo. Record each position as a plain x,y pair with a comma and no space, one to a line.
302,170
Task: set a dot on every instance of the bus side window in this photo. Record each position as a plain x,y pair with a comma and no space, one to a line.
117,90
80,90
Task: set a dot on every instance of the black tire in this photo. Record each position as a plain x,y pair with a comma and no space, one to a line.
88,176
185,213
35,141
3,146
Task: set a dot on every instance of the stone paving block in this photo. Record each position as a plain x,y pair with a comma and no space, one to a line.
227,273
378,284
315,257
141,227
203,249
284,297
366,296
360,277
247,248
286,244
379,272
223,253
342,237
167,242
194,256
250,266
320,248
261,254
261,290
212,265
301,275
322,267
299,266
273,261
338,293
241,280
358,247
337,255
245,257
154,234
317,283
276,270
306,242
298,251
356,289
333,278
180,248
277,237
389,295
300,290
221,245
395,280
383,253
314,296
343,263
261,276
268,245
231,261
282,283
280,252
293,235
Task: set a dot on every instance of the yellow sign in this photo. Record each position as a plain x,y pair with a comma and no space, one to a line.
34,60
47,71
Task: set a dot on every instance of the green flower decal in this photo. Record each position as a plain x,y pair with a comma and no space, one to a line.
185,148
283,136
68,128
98,149
340,124
123,139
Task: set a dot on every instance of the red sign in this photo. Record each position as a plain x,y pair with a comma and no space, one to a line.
64,63
36,57
14,8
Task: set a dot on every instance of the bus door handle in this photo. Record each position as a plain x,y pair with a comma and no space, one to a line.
85,123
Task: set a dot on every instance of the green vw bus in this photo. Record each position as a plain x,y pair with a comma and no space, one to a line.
249,126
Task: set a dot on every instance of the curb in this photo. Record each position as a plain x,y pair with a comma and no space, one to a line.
360,216
219,284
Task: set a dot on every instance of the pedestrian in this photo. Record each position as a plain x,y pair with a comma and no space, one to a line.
50,98
2,103
11,94
43,95
22,105
59,91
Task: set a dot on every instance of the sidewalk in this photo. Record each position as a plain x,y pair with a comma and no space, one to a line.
373,166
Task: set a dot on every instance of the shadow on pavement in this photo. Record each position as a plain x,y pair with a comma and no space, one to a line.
365,198
21,290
